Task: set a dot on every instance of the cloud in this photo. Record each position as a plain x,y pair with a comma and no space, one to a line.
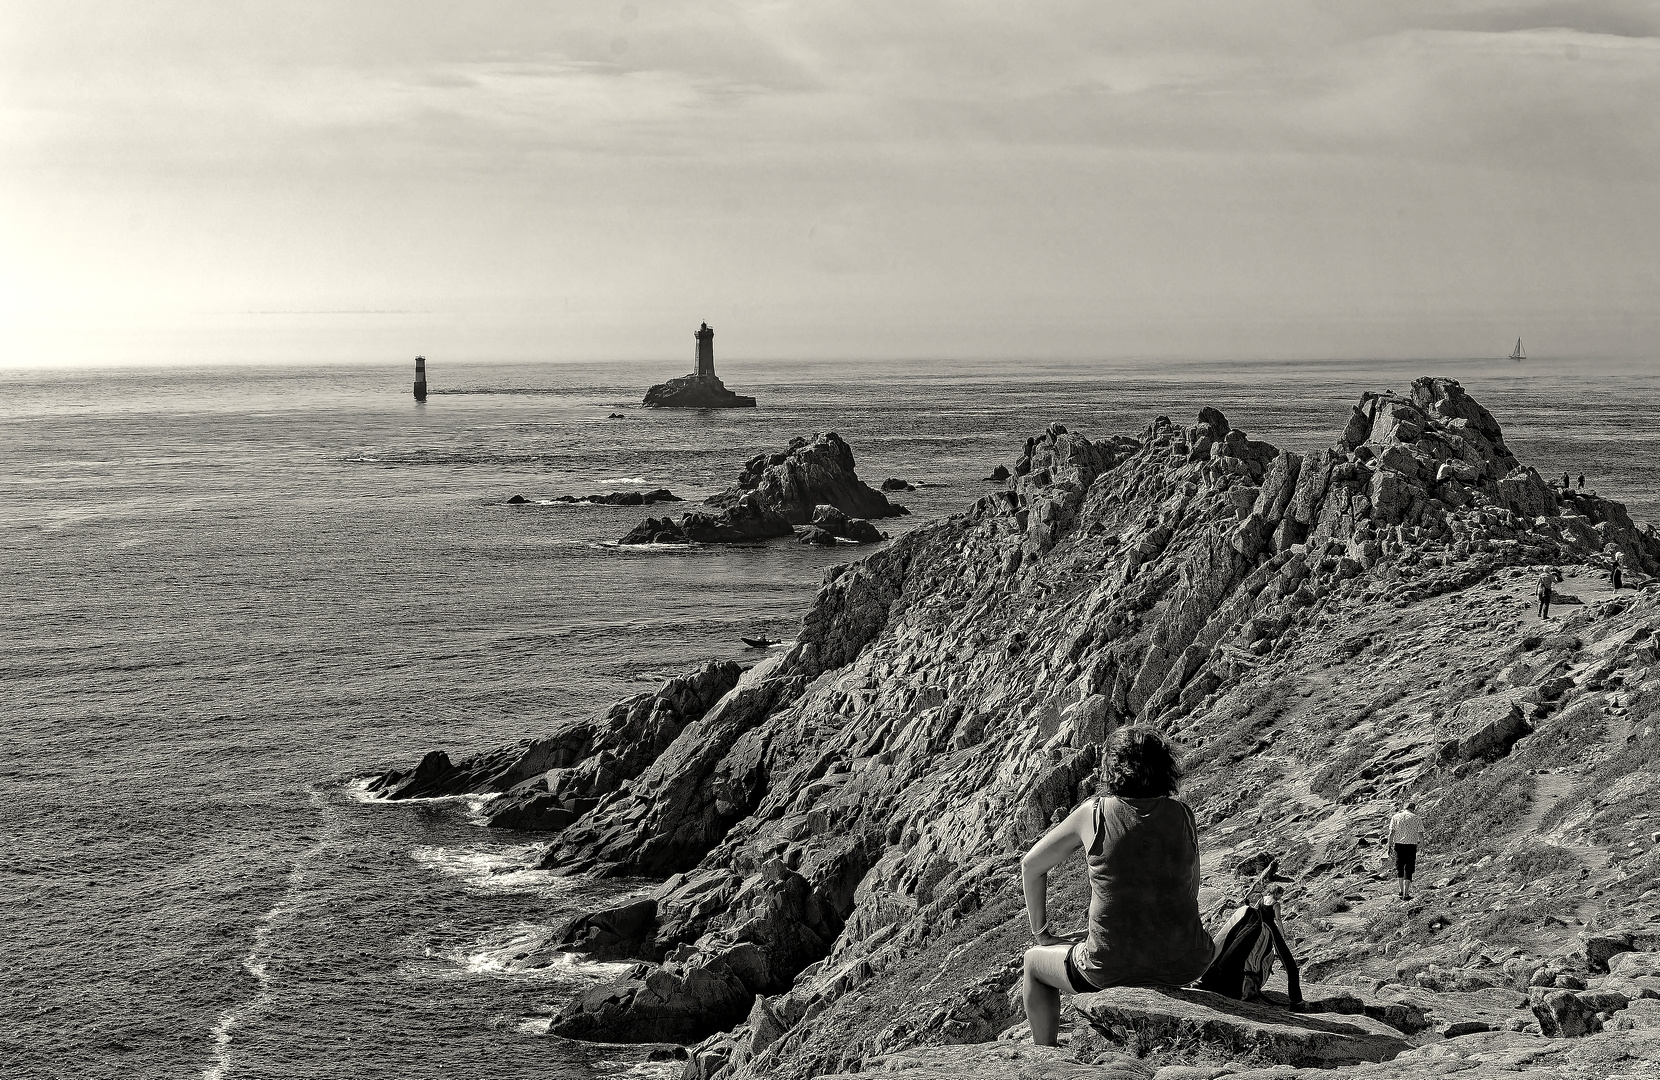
1074,167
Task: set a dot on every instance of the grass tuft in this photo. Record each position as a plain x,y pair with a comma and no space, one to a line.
1535,860
1508,924
1473,811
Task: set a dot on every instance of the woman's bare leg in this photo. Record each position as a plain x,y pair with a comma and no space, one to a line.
1040,990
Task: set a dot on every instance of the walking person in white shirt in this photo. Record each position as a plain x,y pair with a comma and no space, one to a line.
1405,832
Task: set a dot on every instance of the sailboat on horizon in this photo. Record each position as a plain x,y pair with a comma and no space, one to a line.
1517,353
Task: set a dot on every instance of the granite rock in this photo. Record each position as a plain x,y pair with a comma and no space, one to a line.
695,392
808,474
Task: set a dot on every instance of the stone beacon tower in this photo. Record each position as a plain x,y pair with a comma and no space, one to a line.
705,336
420,378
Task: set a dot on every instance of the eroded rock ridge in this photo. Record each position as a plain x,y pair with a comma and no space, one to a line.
838,827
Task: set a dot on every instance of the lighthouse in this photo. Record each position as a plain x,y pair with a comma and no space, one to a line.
420,378
705,336
702,389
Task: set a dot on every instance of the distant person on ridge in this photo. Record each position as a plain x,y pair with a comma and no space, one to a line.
1546,583
1566,482
1615,578
1582,480
1406,831
1142,846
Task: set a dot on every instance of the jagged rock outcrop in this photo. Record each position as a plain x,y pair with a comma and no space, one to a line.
745,521
809,474
830,525
580,760
695,392
812,483
1321,630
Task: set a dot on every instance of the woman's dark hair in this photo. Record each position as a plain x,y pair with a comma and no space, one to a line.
1139,764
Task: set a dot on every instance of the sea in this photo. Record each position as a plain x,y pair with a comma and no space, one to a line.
228,594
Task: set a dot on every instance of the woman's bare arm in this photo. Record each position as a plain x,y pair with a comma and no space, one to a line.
1049,852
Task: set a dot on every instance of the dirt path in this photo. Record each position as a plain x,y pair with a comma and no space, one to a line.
1548,789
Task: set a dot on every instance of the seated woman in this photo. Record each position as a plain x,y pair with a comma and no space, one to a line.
1143,851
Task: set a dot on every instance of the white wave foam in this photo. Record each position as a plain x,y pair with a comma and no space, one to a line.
359,792
535,1026
624,480
257,962
643,1069
523,951
511,869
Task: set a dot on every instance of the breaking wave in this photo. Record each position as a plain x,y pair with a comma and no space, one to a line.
529,951
499,870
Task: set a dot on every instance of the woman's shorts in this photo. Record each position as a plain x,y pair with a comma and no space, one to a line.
1080,985
1406,860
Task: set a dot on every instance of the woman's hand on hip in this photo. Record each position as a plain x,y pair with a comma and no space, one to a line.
1046,938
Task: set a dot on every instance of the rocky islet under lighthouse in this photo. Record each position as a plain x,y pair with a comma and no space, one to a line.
702,389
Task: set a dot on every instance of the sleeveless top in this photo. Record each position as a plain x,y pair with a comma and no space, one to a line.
1144,926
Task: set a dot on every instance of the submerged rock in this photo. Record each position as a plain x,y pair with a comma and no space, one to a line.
625,498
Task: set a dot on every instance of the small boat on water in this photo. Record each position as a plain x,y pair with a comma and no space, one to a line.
1517,353
760,642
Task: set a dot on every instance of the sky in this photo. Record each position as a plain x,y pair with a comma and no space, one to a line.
189,181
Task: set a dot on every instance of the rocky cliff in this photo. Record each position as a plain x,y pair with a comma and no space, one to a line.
838,828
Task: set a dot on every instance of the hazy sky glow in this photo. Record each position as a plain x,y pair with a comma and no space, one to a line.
231,180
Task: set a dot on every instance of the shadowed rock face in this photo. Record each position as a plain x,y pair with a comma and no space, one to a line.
840,831
695,392
809,474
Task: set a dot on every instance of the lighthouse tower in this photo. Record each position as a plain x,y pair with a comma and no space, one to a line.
420,378
705,351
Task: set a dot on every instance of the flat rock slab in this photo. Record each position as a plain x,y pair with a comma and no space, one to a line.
1300,1039
1494,1006
1499,1055
1006,1061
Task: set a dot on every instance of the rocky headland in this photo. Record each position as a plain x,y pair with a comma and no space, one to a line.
837,829
695,392
812,482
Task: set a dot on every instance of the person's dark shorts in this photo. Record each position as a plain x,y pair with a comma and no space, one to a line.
1080,985
1406,860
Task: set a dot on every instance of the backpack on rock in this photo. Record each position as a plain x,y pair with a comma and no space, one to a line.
1247,944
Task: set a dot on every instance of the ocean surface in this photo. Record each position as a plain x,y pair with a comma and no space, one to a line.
226,594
